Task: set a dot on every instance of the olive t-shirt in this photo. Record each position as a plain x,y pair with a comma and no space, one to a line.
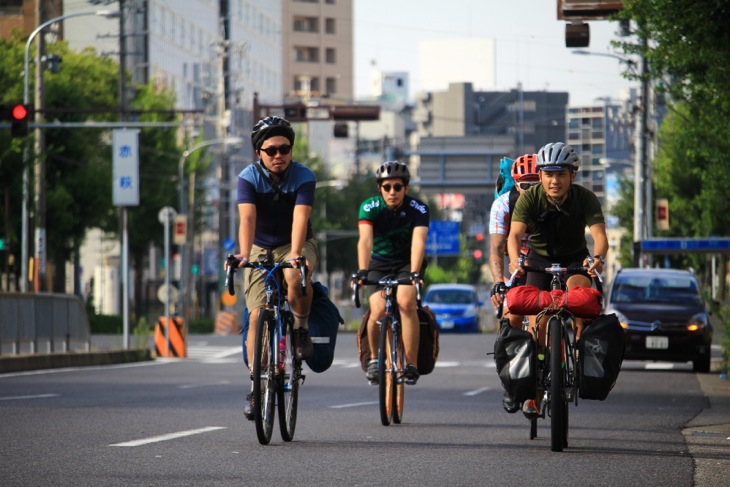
558,232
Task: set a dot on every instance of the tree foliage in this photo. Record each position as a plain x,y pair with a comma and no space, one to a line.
688,50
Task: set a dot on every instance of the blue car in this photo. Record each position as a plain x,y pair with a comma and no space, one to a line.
456,307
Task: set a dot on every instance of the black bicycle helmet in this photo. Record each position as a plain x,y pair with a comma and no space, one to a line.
556,156
393,169
269,127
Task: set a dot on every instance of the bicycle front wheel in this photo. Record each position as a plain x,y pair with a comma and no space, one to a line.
263,375
399,360
386,382
558,401
288,382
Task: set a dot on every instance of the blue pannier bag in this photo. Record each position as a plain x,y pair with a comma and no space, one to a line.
324,322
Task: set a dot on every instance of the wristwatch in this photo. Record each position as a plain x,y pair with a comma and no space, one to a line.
603,261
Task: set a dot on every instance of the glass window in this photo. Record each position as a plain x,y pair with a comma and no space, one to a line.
331,86
331,55
329,26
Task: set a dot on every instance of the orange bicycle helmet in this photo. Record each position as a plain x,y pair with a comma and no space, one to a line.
523,166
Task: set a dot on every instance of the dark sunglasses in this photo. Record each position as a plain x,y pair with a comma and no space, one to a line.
526,186
282,149
388,187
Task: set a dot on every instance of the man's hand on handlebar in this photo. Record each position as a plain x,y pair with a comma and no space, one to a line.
497,296
595,267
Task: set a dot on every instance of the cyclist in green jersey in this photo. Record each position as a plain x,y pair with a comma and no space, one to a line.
393,227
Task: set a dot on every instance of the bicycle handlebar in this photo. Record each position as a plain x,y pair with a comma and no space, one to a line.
386,281
264,264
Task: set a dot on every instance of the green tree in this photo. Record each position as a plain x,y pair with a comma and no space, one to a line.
159,155
78,167
688,51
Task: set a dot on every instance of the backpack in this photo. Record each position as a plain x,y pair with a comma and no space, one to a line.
514,356
324,322
504,182
428,346
600,355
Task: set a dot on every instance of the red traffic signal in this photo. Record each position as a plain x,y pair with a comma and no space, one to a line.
477,254
18,114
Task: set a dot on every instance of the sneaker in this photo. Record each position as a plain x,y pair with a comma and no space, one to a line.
509,404
248,408
411,374
530,409
372,373
303,348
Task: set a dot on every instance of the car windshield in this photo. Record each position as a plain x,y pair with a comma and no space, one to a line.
450,296
648,289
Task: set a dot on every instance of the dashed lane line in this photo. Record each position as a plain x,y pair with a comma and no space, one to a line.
170,436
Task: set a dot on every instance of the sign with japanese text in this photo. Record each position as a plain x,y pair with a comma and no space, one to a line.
125,160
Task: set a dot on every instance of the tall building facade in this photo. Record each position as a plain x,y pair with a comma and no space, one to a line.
317,49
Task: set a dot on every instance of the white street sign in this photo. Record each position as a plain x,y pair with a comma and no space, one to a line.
125,157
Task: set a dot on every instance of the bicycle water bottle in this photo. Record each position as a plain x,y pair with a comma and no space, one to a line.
282,353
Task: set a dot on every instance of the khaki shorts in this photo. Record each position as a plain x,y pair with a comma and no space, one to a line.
254,278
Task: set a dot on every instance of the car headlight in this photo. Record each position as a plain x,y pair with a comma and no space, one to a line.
698,322
470,311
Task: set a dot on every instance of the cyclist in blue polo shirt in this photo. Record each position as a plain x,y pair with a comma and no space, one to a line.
275,199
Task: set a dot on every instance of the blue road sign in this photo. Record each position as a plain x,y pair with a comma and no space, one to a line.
443,238
229,245
686,245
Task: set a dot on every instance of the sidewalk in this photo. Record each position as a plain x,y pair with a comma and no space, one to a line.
708,434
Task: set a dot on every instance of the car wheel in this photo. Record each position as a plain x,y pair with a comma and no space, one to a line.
701,365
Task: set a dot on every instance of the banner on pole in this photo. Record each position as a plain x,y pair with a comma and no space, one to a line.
125,158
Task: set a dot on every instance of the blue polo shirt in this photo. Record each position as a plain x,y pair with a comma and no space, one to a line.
275,211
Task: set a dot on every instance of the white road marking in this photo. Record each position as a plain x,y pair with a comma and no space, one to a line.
170,436
659,366
353,405
89,367
476,391
193,386
36,396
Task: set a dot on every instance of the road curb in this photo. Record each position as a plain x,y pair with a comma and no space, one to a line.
71,359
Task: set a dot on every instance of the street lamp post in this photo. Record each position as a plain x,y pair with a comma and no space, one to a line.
642,169
40,238
185,204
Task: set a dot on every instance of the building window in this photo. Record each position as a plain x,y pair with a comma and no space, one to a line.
306,24
331,87
331,55
329,2
329,26
11,7
303,54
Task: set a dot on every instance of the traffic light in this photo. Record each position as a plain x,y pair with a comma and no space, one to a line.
18,115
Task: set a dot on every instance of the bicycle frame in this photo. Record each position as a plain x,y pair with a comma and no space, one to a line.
557,381
275,371
391,352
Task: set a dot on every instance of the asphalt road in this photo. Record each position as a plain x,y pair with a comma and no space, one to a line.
180,422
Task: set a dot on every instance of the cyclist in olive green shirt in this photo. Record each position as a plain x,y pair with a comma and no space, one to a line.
557,213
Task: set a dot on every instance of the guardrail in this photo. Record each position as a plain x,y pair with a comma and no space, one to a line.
30,320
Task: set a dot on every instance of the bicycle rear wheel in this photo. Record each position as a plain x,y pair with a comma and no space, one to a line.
386,382
558,402
399,382
287,382
263,374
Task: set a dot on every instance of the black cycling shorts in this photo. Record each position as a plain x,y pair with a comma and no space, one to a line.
541,280
379,269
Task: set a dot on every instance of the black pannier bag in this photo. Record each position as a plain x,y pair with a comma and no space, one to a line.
514,355
600,355
428,346
324,323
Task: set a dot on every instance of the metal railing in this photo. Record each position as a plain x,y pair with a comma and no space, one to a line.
29,321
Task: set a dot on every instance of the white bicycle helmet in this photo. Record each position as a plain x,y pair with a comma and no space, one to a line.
557,156
393,169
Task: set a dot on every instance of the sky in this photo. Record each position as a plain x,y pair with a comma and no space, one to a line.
530,44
